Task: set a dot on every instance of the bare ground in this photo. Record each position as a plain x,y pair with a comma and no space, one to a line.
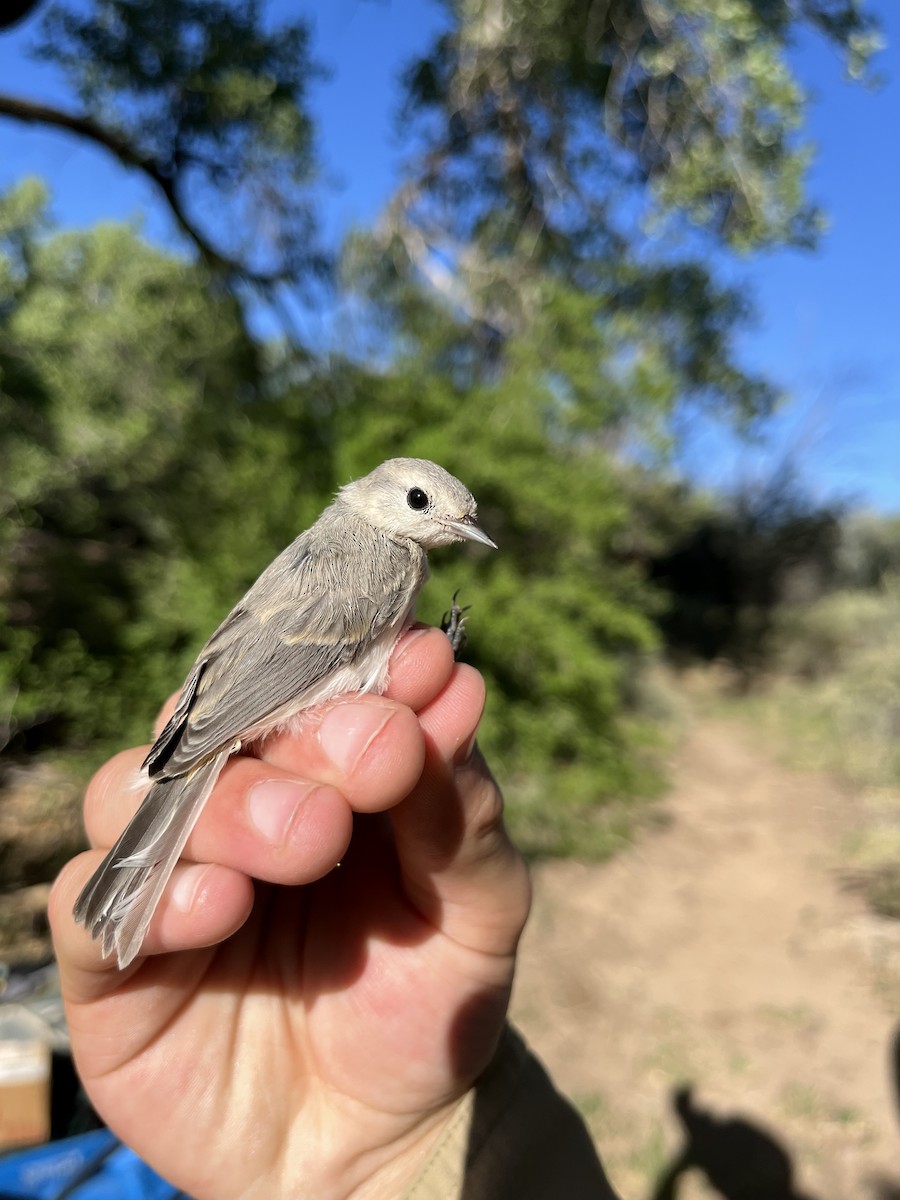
723,951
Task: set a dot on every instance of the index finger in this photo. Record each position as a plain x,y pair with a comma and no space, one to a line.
420,667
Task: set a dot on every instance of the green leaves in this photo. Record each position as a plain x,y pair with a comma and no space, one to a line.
562,109
210,103
123,395
558,615
517,326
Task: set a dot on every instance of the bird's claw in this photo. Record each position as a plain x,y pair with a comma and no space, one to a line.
453,624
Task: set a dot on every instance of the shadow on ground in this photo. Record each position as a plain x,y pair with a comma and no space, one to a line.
741,1160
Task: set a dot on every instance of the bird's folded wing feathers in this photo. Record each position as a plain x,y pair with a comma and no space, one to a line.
167,741
261,659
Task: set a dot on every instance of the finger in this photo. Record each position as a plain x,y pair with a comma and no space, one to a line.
267,817
370,748
258,820
352,755
460,868
285,816
201,906
420,667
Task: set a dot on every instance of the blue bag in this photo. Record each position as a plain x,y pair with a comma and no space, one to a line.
92,1166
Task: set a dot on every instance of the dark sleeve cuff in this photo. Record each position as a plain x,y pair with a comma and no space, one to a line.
514,1137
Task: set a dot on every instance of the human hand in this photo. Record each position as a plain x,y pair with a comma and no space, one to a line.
310,1041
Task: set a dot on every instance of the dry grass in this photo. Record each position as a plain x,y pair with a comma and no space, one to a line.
40,830
833,704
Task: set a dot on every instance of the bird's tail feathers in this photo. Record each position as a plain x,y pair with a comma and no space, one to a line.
118,902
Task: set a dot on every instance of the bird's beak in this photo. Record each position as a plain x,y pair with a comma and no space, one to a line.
468,529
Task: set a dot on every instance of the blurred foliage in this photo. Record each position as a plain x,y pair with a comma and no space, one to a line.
514,323
545,137
135,426
546,134
740,565
844,631
869,550
625,353
550,131
148,477
209,101
559,617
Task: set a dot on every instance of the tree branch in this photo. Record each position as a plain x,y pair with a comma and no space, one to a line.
33,113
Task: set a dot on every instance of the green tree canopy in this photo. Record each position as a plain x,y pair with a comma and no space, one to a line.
210,103
135,428
519,328
549,134
564,108
148,477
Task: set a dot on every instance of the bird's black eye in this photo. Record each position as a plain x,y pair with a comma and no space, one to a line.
416,499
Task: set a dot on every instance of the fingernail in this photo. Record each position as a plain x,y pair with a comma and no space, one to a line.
409,640
187,886
272,806
347,731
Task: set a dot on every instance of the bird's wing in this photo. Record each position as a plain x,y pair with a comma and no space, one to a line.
267,654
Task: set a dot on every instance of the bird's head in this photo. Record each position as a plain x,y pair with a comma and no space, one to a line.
414,498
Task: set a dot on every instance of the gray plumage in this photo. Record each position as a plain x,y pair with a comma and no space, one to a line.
320,621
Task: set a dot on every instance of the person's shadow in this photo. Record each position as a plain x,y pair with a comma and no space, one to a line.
742,1161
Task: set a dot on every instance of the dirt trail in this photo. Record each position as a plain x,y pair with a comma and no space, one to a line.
721,951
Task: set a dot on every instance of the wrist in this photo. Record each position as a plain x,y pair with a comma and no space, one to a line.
389,1171
359,1156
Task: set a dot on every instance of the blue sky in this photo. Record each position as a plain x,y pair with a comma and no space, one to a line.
829,323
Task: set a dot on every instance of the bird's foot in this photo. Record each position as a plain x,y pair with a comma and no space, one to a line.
453,624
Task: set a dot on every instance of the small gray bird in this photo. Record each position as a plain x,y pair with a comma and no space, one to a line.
320,621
